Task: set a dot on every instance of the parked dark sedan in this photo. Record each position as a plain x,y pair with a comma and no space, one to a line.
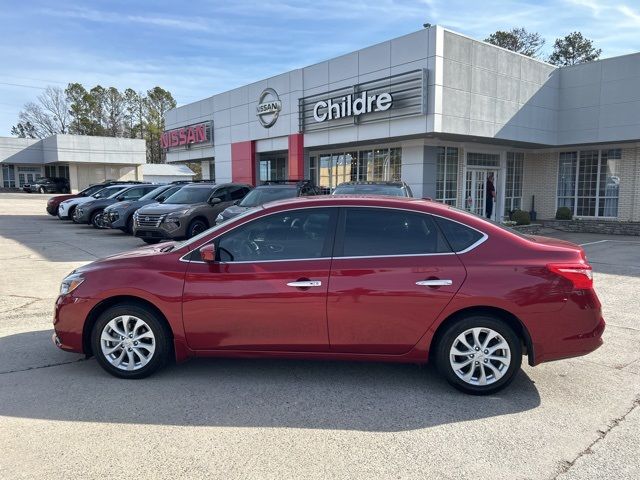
48,185
391,189
269,192
120,214
91,212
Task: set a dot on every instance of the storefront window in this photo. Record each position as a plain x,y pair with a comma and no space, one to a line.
273,167
483,159
447,175
588,182
513,185
8,176
331,169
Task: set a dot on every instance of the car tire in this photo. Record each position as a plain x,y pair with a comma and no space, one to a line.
475,337
95,219
129,226
42,190
196,227
114,344
151,241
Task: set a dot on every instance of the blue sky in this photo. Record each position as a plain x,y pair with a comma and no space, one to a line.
198,48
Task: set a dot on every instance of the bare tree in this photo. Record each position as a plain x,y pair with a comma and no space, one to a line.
518,40
48,116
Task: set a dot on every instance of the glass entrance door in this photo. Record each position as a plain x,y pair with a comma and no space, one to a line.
477,199
273,167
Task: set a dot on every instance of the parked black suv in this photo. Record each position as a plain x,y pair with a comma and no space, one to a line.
269,192
392,189
188,212
48,185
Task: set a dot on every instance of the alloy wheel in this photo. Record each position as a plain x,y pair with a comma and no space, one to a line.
127,342
480,356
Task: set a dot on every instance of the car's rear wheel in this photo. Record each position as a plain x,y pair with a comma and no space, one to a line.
96,219
196,227
479,354
42,190
130,341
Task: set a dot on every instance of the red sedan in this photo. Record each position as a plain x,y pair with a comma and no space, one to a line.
341,278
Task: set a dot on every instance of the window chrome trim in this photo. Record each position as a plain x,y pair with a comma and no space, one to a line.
480,241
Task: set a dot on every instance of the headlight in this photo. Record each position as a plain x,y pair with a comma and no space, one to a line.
70,283
176,215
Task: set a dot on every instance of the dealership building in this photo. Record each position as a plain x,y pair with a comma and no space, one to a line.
440,111
82,159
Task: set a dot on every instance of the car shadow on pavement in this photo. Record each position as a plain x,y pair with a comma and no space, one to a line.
372,397
58,240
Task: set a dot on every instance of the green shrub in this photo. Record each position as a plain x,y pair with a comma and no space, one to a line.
564,213
521,218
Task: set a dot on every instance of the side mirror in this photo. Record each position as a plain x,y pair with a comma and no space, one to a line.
120,198
214,201
161,198
208,253
237,202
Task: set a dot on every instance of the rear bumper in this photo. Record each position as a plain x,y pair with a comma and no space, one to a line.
573,331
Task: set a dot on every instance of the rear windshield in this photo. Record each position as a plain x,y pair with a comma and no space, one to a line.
389,190
189,195
260,196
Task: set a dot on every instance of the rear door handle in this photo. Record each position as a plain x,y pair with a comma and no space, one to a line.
434,283
305,284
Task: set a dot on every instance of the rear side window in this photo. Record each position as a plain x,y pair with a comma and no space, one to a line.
238,193
385,232
459,236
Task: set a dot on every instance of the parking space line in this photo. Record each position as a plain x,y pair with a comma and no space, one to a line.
593,243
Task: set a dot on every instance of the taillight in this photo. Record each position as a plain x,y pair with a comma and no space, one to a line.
580,274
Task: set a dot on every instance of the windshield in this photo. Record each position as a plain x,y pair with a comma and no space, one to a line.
389,190
116,192
260,196
154,193
188,195
107,192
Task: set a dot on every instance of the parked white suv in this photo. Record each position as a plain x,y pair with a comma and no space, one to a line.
66,208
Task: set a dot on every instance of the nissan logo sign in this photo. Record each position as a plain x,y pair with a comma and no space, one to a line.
269,107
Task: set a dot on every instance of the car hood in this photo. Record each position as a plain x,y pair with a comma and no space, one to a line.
78,200
234,211
61,198
162,208
102,202
146,251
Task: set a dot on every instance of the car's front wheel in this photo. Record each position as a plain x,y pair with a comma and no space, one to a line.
42,190
129,341
96,219
479,354
196,227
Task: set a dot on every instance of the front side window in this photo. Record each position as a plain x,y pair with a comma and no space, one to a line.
292,235
447,175
134,193
387,232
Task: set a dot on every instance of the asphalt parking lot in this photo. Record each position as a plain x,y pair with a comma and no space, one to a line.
61,416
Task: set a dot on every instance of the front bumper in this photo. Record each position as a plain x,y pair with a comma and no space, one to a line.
52,209
81,215
69,320
113,219
161,230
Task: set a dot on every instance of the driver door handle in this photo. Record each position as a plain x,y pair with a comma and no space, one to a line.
305,284
436,282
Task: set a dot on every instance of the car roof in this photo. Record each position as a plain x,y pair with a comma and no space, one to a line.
279,185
